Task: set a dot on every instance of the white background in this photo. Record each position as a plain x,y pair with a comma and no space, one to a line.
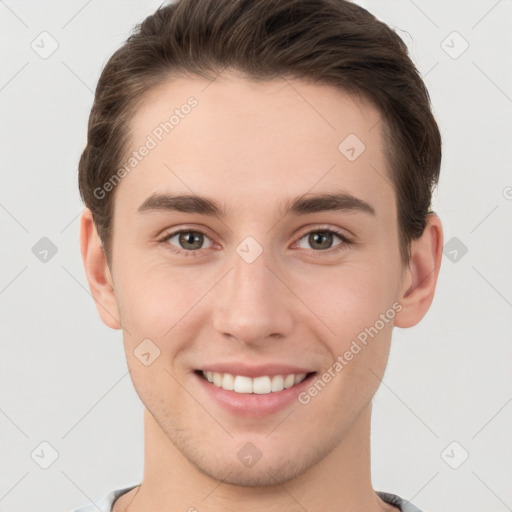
64,378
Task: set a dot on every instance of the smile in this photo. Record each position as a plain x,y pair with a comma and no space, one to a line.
259,385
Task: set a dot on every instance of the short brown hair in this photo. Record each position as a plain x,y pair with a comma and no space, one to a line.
333,42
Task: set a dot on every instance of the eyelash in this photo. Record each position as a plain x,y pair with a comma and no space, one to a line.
345,241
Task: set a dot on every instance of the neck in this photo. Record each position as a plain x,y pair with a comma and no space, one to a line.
341,481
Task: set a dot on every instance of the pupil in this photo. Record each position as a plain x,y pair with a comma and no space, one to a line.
194,239
316,239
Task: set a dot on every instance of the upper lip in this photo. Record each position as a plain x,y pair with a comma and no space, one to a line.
254,370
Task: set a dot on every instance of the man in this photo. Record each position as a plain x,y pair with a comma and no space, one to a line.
258,178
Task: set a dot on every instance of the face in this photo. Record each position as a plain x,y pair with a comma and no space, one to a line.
264,279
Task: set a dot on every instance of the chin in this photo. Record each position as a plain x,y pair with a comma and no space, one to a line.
270,470
266,475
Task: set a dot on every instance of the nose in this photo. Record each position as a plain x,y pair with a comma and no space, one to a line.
251,303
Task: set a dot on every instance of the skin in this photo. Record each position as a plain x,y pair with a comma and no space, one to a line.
251,147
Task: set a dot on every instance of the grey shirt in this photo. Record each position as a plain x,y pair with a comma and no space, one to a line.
106,503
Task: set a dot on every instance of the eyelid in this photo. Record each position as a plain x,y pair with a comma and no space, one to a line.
170,232
331,229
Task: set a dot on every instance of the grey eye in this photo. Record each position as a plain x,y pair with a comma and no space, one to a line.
320,240
189,240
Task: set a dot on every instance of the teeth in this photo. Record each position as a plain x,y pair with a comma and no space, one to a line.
299,378
217,379
259,385
242,384
289,381
262,385
277,383
228,382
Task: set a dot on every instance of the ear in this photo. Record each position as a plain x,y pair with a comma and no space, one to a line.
97,271
420,278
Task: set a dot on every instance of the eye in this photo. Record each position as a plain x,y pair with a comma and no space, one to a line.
323,240
187,241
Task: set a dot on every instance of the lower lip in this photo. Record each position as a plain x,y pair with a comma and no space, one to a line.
253,404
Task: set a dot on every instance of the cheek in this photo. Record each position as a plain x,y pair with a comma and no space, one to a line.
154,299
349,298
356,305
350,302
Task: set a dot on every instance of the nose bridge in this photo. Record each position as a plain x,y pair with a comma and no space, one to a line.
251,280
249,305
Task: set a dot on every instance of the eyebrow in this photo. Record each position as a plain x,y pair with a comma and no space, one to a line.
302,205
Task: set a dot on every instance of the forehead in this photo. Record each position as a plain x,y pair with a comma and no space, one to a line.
253,143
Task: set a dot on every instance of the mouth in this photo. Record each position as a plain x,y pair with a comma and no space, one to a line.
261,385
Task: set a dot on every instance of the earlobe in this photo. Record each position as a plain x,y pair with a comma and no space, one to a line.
97,272
420,278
